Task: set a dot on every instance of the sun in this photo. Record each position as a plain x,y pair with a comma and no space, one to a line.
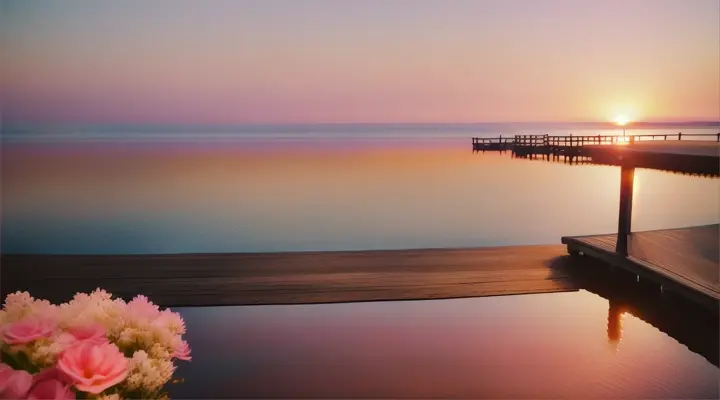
622,120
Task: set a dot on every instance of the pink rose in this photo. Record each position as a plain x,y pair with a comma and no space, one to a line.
92,333
93,367
26,331
51,384
181,351
51,389
50,373
14,384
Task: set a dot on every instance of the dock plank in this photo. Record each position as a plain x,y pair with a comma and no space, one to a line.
690,156
687,147
293,278
688,256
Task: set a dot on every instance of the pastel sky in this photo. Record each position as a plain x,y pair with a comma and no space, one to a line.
285,61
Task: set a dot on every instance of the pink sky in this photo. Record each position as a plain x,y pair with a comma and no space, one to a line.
372,61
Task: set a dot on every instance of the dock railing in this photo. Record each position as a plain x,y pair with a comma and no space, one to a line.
579,140
498,143
571,146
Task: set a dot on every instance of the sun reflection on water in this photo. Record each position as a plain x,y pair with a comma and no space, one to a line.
616,313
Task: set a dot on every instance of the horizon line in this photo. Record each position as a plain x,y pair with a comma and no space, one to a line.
268,123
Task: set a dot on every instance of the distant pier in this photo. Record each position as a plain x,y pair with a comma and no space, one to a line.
571,147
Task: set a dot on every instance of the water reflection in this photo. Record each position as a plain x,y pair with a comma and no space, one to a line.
614,330
689,324
538,346
165,198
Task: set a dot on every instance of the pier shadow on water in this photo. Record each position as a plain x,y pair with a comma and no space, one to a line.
693,326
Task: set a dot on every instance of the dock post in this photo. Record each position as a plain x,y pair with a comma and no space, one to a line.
627,174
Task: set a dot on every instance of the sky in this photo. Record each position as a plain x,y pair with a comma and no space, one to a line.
347,61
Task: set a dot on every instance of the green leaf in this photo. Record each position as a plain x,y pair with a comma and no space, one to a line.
25,362
10,360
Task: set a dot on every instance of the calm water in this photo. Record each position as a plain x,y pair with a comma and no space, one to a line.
529,346
160,192
215,192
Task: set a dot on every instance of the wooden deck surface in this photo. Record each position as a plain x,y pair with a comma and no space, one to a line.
688,147
686,156
689,257
289,278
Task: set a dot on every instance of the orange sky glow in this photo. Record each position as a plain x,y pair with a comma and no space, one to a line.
275,61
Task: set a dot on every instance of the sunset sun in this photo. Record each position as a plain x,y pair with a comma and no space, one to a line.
622,120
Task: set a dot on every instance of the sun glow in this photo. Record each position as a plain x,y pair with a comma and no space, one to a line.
622,120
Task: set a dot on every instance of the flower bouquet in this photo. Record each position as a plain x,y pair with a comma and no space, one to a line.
93,346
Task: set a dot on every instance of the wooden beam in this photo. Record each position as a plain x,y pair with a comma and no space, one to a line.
627,174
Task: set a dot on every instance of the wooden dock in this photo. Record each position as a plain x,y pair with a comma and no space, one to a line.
493,144
681,260
693,157
293,278
575,147
684,260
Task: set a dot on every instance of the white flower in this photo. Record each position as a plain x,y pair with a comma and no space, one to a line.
45,352
100,295
158,351
147,373
127,338
95,308
138,327
17,299
172,321
19,305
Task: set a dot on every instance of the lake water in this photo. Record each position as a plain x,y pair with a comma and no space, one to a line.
159,192
560,345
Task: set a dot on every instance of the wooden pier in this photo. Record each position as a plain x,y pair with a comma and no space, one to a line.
685,260
572,147
493,144
681,260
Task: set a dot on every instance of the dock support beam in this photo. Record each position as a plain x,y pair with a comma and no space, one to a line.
625,214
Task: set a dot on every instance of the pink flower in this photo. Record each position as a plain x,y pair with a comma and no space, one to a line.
28,330
51,384
94,333
181,351
94,367
52,389
14,384
171,321
89,333
140,306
